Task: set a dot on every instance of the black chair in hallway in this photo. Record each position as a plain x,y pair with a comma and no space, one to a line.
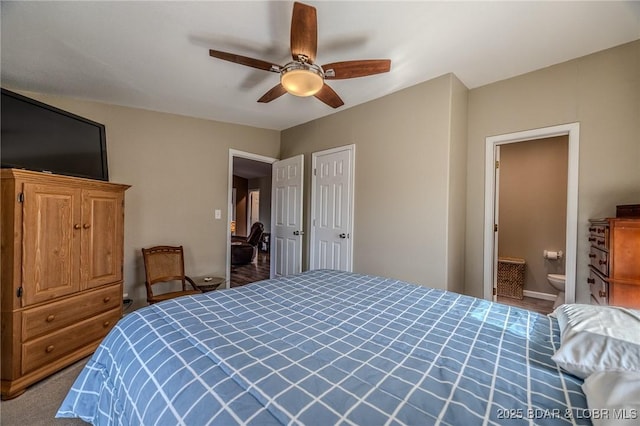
243,250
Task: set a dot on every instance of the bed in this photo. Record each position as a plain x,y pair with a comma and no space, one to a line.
327,347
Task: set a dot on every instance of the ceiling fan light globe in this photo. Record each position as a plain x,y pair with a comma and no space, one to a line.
302,82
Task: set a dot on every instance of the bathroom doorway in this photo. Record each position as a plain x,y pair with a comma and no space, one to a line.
533,183
531,195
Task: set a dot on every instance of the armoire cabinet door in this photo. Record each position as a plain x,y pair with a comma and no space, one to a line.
102,237
51,242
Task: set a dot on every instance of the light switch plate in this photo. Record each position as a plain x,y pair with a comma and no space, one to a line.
218,214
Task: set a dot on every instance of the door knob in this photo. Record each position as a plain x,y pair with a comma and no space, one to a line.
298,232
342,235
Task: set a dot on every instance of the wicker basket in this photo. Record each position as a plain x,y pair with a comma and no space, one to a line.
510,277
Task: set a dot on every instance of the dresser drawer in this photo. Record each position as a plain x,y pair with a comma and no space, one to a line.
599,241
50,347
599,235
56,315
599,288
599,259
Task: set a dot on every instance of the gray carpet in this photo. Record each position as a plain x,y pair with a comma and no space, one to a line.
39,404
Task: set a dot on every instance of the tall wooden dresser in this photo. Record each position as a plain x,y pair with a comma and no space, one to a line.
62,254
614,262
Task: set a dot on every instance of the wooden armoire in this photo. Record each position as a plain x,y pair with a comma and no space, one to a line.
62,257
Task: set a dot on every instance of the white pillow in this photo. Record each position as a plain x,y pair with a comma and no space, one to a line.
613,398
598,338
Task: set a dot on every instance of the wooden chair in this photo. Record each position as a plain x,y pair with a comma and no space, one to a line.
165,264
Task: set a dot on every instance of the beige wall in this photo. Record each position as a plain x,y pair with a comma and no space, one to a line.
419,201
533,206
602,93
178,170
457,164
404,146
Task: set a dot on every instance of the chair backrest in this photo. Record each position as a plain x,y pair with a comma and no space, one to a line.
162,264
256,232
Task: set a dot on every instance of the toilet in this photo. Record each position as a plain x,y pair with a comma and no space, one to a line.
557,282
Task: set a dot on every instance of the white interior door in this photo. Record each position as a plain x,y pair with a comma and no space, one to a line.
332,209
286,217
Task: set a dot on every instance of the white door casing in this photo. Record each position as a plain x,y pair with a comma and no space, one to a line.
490,243
496,221
286,217
231,213
332,186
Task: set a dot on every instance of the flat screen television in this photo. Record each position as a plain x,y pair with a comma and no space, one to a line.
37,136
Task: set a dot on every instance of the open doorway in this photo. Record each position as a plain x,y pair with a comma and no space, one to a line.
491,228
250,218
531,201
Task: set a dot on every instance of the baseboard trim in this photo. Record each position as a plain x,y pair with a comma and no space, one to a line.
539,295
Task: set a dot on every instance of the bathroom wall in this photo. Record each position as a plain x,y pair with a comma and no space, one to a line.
533,206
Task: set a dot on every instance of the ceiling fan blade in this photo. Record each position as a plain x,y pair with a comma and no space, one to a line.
272,94
304,32
353,69
329,97
244,60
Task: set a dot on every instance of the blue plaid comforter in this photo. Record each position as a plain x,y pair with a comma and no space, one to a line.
324,348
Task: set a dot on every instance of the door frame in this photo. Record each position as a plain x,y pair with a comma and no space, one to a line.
312,230
572,130
240,154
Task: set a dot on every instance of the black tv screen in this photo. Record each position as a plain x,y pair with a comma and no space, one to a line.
37,136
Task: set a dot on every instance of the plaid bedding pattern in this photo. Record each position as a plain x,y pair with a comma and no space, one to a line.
324,348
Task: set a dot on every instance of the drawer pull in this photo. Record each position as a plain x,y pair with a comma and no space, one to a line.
106,324
600,243
86,226
106,299
591,280
591,255
49,349
592,229
51,318
592,239
602,293
602,262
76,226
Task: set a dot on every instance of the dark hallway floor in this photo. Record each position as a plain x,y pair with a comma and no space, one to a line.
245,274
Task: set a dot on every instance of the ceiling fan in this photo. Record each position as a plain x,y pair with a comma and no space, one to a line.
302,76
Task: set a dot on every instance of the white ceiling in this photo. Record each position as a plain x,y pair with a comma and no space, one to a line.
154,55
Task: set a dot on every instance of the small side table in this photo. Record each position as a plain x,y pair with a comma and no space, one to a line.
207,283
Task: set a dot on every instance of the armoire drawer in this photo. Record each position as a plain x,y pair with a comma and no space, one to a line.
600,260
56,315
53,346
599,288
